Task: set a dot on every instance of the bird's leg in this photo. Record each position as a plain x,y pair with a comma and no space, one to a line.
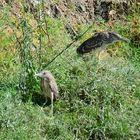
99,53
52,103
85,61
88,67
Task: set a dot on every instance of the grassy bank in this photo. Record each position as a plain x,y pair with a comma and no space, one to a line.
99,99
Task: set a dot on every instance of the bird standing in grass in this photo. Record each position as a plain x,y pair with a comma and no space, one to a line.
99,40
49,86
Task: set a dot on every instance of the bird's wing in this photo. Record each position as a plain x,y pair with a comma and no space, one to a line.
54,88
98,40
90,44
95,41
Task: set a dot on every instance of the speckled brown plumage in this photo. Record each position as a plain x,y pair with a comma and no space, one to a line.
99,39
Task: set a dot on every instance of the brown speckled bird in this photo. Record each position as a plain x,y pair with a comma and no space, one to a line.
49,86
99,40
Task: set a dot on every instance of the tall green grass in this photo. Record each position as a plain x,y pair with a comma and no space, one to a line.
99,99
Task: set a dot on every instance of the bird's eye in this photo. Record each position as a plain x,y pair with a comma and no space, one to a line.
43,73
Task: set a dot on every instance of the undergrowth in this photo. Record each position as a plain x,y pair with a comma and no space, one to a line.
99,99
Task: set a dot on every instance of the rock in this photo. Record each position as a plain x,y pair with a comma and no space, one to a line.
55,11
70,31
103,7
75,12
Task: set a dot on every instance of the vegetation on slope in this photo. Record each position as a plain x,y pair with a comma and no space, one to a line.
99,99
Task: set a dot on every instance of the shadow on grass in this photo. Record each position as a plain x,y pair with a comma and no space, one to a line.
36,99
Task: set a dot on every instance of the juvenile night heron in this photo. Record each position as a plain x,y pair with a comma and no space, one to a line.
49,86
99,40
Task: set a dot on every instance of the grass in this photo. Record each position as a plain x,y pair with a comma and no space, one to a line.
99,99
108,108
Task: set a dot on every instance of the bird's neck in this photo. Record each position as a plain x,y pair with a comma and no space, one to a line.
46,79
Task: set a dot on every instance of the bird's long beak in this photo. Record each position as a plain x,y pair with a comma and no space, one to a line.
38,74
125,39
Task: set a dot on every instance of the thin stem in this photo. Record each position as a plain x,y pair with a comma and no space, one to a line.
52,103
